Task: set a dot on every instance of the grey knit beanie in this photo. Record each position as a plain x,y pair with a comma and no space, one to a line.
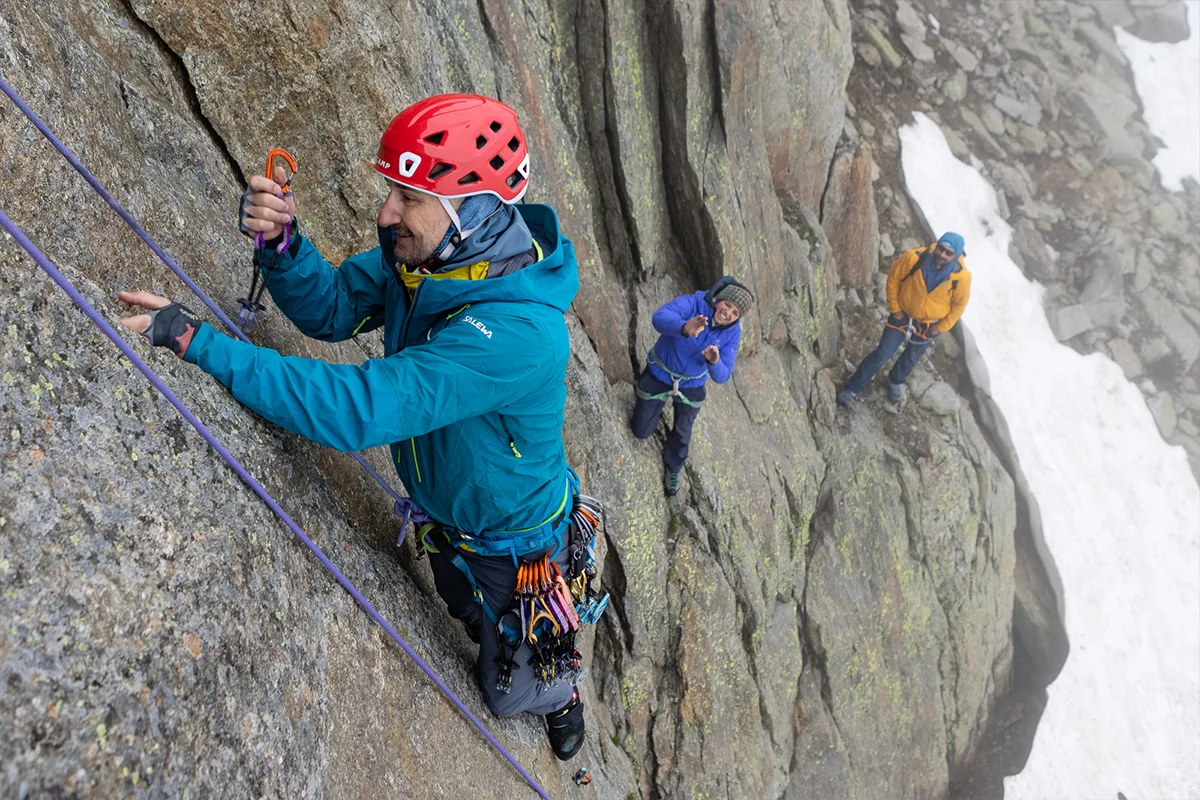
738,295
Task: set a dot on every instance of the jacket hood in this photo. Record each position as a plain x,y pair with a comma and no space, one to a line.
553,281
500,233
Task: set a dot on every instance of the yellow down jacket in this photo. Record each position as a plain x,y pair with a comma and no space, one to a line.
906,292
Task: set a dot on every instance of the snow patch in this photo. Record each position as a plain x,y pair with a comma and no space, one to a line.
1120,511
1167,77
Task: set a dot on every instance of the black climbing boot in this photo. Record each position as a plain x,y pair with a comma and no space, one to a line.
566,728
671,483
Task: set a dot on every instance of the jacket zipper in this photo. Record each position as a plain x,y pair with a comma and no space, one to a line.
512,443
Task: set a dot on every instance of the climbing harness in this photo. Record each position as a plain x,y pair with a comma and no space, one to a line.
547,609
252,304
57,276
674,391
914,332
908,328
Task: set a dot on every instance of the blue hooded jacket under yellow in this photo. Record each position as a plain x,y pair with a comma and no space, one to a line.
471,390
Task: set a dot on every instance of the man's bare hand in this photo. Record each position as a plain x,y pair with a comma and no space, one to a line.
265,208
694,325
711,354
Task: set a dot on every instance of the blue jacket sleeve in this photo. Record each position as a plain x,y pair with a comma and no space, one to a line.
460,374
723,369
670,318
326,303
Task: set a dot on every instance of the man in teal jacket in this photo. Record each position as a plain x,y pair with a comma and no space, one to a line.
470,289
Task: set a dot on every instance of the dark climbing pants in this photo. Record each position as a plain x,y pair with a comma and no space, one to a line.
647,412
496,578
889,343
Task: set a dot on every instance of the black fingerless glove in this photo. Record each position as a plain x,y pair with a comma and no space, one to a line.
172,327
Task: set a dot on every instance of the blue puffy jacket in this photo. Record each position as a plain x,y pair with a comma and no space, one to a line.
685,354
469,395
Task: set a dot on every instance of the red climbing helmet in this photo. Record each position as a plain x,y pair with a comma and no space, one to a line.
455,145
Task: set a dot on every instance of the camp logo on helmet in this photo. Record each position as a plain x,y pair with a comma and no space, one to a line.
476,323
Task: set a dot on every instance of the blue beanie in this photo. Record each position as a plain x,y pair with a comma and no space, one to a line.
953,241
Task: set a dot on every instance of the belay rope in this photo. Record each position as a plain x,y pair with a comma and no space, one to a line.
57,276
547,608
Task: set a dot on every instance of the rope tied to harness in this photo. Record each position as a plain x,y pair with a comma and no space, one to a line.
409,511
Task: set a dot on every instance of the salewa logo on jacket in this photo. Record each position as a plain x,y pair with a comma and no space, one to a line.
482,328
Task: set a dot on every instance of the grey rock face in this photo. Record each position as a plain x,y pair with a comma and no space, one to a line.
1070,321
941,399
1032,252
1126,357
161,633
848,216
1160,22
1163,409
1165,315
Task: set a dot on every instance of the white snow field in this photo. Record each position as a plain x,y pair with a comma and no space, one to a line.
1167,77
1120,511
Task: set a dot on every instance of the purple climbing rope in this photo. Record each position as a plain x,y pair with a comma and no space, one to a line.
112,201
162,254
87,308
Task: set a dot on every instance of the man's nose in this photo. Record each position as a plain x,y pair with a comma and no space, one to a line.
389,212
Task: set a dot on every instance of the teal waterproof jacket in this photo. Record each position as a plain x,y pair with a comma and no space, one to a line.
469,395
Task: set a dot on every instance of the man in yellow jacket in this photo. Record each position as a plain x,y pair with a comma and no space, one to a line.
927,291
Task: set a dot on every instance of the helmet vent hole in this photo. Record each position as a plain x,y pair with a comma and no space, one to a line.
480,142
468,179
436,138
497,162
513,144
439,169
514,179
495,126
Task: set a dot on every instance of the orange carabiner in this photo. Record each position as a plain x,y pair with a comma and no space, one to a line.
279,152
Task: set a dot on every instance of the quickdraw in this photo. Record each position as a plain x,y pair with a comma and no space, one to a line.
251,305
548,609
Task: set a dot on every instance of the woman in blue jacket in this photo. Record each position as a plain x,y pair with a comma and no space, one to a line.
699,336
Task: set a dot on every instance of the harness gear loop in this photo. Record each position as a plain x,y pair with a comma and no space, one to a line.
251,305
548,608
674,391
